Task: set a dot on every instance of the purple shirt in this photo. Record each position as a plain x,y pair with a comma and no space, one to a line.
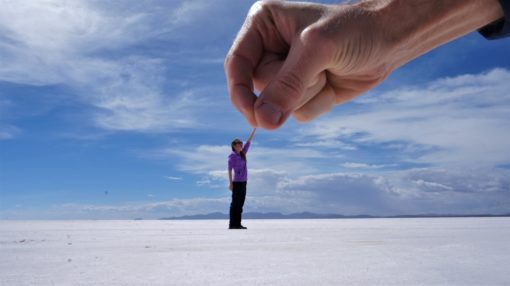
239,165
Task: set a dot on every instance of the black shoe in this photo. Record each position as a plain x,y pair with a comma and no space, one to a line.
237,227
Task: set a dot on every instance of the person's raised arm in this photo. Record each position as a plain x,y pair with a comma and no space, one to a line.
251,135
305,58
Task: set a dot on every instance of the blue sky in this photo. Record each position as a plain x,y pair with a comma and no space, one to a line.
121,111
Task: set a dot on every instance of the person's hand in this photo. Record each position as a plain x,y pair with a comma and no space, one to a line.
231,186
305,58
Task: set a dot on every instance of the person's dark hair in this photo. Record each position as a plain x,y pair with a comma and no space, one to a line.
243,156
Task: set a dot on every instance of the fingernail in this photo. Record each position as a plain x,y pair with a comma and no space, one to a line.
271,113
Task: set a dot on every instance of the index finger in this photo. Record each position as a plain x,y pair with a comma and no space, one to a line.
240,64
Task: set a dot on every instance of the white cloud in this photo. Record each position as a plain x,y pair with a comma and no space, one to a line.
416,191
91,54
336,144
432,186
173,178
403,192
8,131
38,48
462,120
204,159
189,11
344,193
354,165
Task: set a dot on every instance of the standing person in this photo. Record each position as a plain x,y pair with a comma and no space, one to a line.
237,162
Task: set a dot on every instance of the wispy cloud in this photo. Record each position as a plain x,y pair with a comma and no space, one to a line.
39,48
328,143
399,192
460,120
173,178
417,191
95,53
189,11
354,165
204,159
8,131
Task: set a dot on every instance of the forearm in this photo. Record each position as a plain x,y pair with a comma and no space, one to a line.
251,135
229,177
414,27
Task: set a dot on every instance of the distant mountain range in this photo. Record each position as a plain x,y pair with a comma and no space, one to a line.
309,215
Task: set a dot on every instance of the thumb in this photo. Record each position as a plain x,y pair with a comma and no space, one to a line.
285,92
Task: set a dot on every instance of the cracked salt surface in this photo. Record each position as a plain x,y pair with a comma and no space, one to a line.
425,251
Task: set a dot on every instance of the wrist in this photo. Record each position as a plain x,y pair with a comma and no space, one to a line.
411,28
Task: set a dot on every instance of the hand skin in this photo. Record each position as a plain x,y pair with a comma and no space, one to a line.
306,58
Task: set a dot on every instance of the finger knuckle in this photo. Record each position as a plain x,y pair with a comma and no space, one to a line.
290,84
318,39
302,116
262,6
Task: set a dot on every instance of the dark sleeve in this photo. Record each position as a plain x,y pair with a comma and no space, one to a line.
500,28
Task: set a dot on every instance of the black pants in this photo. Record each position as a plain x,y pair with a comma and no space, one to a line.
236,206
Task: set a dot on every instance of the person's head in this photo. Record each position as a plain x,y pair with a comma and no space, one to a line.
237,146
